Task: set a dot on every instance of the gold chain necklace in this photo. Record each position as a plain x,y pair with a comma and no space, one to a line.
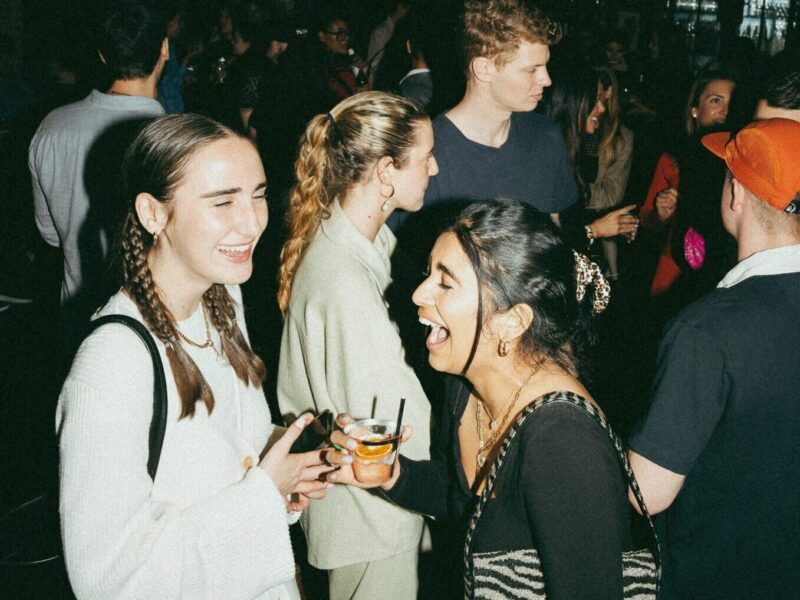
207,344
496,430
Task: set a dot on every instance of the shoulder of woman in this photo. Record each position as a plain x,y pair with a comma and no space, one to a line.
329,283
564,425
114,359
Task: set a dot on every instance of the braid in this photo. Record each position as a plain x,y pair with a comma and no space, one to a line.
246,363
308,205
141,288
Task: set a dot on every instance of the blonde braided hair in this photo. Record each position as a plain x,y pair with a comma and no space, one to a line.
337,150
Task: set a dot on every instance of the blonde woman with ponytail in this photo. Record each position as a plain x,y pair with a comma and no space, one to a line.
372,154
214,522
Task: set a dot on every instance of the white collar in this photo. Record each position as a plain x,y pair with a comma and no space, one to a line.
414,72
775,261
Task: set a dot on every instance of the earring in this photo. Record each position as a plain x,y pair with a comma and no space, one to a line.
502,349
385,206
155,237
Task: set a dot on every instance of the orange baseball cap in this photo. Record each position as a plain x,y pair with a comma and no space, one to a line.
765,158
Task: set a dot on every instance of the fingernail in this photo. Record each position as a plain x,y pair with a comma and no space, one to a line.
329,485
347,459
332,477
351,444
300,423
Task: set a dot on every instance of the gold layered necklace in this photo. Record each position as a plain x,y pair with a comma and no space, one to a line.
495,429
207,344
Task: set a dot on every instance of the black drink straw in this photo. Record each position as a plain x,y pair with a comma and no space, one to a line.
399,422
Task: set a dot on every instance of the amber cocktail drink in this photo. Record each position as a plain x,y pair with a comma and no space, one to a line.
375,454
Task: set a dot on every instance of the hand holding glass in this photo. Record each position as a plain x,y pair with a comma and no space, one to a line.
368,452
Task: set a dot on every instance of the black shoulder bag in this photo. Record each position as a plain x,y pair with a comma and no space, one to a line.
30,541
518,573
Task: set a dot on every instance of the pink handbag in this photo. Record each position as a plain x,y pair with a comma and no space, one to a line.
694,248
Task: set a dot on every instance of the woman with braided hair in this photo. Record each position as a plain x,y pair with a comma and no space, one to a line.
507,304
341,350
213,523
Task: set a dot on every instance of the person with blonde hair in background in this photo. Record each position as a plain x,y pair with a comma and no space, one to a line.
341,350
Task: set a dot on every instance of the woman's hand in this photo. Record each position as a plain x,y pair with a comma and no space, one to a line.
665,203
344,459
296,473
617,222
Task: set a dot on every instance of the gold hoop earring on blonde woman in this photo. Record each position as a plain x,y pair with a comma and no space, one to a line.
502,348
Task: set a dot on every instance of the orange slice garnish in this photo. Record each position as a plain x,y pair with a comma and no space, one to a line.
373,452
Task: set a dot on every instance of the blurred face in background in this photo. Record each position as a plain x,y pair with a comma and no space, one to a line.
240,46
598,110
336,37
712,107
615,53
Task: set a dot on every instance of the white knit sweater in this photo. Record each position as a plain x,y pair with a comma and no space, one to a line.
208,527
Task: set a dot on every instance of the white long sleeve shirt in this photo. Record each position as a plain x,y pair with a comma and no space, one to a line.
210,526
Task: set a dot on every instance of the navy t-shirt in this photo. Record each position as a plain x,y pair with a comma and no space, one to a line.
532,166
726,414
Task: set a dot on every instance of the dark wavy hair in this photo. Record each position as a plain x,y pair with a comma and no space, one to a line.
519,258
129,36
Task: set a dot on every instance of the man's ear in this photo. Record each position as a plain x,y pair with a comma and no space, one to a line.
513,323
738,195
152,213
482,68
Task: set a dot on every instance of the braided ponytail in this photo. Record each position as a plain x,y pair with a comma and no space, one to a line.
336,152
308,205
139,284
247,365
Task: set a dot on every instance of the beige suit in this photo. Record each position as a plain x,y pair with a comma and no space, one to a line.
340,351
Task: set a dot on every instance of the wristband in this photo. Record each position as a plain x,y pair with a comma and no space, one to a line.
589,234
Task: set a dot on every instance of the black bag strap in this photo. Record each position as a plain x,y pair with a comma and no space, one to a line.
158,424
552,398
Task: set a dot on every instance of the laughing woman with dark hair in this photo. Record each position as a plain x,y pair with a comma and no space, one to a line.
514,325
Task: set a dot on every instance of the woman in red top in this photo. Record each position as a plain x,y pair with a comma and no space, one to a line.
707,107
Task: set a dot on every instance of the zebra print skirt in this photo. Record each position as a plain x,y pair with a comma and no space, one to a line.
518,575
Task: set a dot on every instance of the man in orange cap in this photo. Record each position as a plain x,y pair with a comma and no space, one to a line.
719,450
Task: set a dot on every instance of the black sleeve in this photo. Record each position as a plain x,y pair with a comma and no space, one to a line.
575,498
688,400
424,485
573,232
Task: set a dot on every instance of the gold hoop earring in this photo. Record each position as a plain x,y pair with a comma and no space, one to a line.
155,237
502,349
